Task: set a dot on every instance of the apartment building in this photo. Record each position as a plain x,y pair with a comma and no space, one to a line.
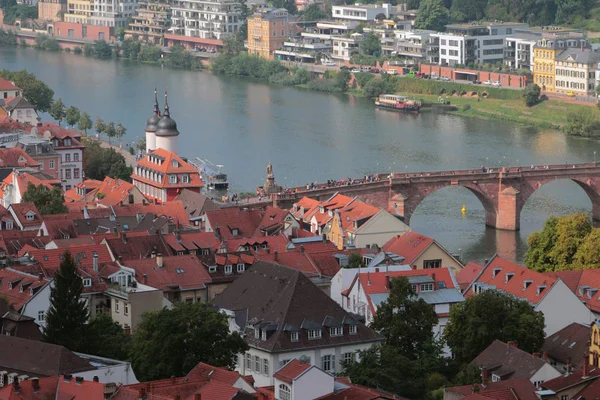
112,13
79,11
268,30
362,12
150,22
205,19
51,10
474,43
575,71
345,47
418,46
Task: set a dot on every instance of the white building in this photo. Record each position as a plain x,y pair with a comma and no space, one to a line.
474,43
27,294
113,13
21,110
575,71
284,316
362,12
205,19
161,131
418,45
345,47
108,370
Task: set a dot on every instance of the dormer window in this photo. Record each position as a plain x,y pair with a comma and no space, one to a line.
175,164
172,178
228,269
241,267
336,331
235,231
30,216
495,272
87,282
294,336
256,333
526,284
263,335
185,179
314,334
426,287
21,289
9,225
353,329
212,269
264,246
330,213
540,289
68,142
508,277
321,209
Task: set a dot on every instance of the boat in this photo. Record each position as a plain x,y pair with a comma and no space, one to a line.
211,173
398,103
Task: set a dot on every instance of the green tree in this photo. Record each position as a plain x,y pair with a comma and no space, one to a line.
141,144
531,95
468,10
375,87
492,315
57,110
106,338
102,50
72,115
47,201
289,5
363,78
313,13
120,170
68,313
370,45
99,126
554,248
432,15
100,162
88,50
35,91
355,260
588,252
171,342
111,131
582,123
120,33
120,131
85,122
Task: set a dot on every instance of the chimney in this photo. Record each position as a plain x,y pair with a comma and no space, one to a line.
78,380
40,277
96,379
153,255
545,356
324,238
535,355
301,249
511,344
388,283
124,237
368,278
95,262
159,260
568,367
275,253
16,387
197,396
115,231
484,376
586,366
35,384
68,377
145,279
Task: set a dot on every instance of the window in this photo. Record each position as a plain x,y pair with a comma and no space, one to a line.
99,308
41,316
212,269
294,336
284,392
263,335
76,173
41,165
538,384
68,173
126,312
328,363
228,269
348,357
9,225
257,364
336,331
51,164
30,216
429,264
496,378
75,156
116,305
185,179
283,363
314,334
241,268
67,157
248,361
426,287
172,178
353,329
265,366
87,282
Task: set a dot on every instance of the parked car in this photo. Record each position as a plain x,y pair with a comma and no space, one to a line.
383,72
202,49
476,82
434,77
421,75
211,51
374,70
392,72
344,68
329,64
355,70
444,78
496,84
488,82
570,94
365,68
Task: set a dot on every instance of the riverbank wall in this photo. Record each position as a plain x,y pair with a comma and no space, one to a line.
466,74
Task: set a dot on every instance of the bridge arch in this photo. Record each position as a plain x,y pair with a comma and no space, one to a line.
413,196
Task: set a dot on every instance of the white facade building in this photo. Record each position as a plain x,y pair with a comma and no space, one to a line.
418,45
113,13
205,19
474,43
344,47
361,13
108,370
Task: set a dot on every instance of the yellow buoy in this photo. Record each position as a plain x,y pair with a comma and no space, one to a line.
463,209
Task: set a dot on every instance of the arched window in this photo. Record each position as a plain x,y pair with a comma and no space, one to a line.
284,392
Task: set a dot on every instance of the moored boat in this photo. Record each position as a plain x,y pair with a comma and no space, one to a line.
398,103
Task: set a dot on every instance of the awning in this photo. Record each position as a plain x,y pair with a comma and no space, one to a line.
466,72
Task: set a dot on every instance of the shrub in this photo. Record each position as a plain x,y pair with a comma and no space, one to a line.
363,78
466,107
77,50
582,123
531,94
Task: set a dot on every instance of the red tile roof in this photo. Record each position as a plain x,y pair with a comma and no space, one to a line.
228,219
11,281
208,372
113,191
51,259
60,132
60,228
274,243
178,273
303,207
536,284
409,245
569,343
272,221
468,274
584,283
16,157
21,209
136,246
6,85
337,201
591,391
192,241
89,184
166,166
355,212
523,388
358,392
171,209
13,241
54,387
576,377
292,370
22,179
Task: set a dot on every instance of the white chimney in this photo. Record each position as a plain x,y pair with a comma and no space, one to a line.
95,262
159,260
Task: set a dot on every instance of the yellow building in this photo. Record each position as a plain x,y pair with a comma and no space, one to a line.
268,29
51,10
79,11
547,50
595,344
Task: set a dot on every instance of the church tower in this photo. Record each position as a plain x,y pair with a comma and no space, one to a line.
166,130
151,126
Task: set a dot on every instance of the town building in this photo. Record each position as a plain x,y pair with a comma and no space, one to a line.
196,205
582,383
314,215
368,13
235,223
14,186
8,89
15,158
278,329
467,275
112,13
79,11
545,52
346,47
21,110
12,323
519,47
42,151
564,348
51,10
107,193
505,361
475,43
518,389
575,71
76,30
27,294
594,344
205,19
57,387
303,49
422,252
268,30
417,46
545,293
26,216
150,22
161,130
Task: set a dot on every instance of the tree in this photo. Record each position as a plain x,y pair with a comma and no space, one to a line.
468,10
100,162
72,115
582,123
57,110
289,5
120,170
355,260
99,126
313,13
35,91
141,144
120,131
102,50
85,122
171,342
47,201
588,252
363,78
111,131
531,94
432,15
68,313
554,248
370,45
106,338
492,315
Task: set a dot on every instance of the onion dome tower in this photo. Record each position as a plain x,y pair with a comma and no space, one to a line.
151,126
166,130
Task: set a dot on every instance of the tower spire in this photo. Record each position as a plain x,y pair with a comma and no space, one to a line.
166,112
156,107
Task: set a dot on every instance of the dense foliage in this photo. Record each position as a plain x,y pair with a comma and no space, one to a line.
57,110
566,243
34,90
583,123
171,342
47,201
492,315
13,11
101,162
531,95
106,338
244,64
370,45
45,42
432,15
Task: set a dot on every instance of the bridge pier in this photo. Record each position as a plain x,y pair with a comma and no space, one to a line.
508,214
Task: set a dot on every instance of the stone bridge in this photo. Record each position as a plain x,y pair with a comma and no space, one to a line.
503,192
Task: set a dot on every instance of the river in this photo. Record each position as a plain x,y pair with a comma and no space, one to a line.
310,136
